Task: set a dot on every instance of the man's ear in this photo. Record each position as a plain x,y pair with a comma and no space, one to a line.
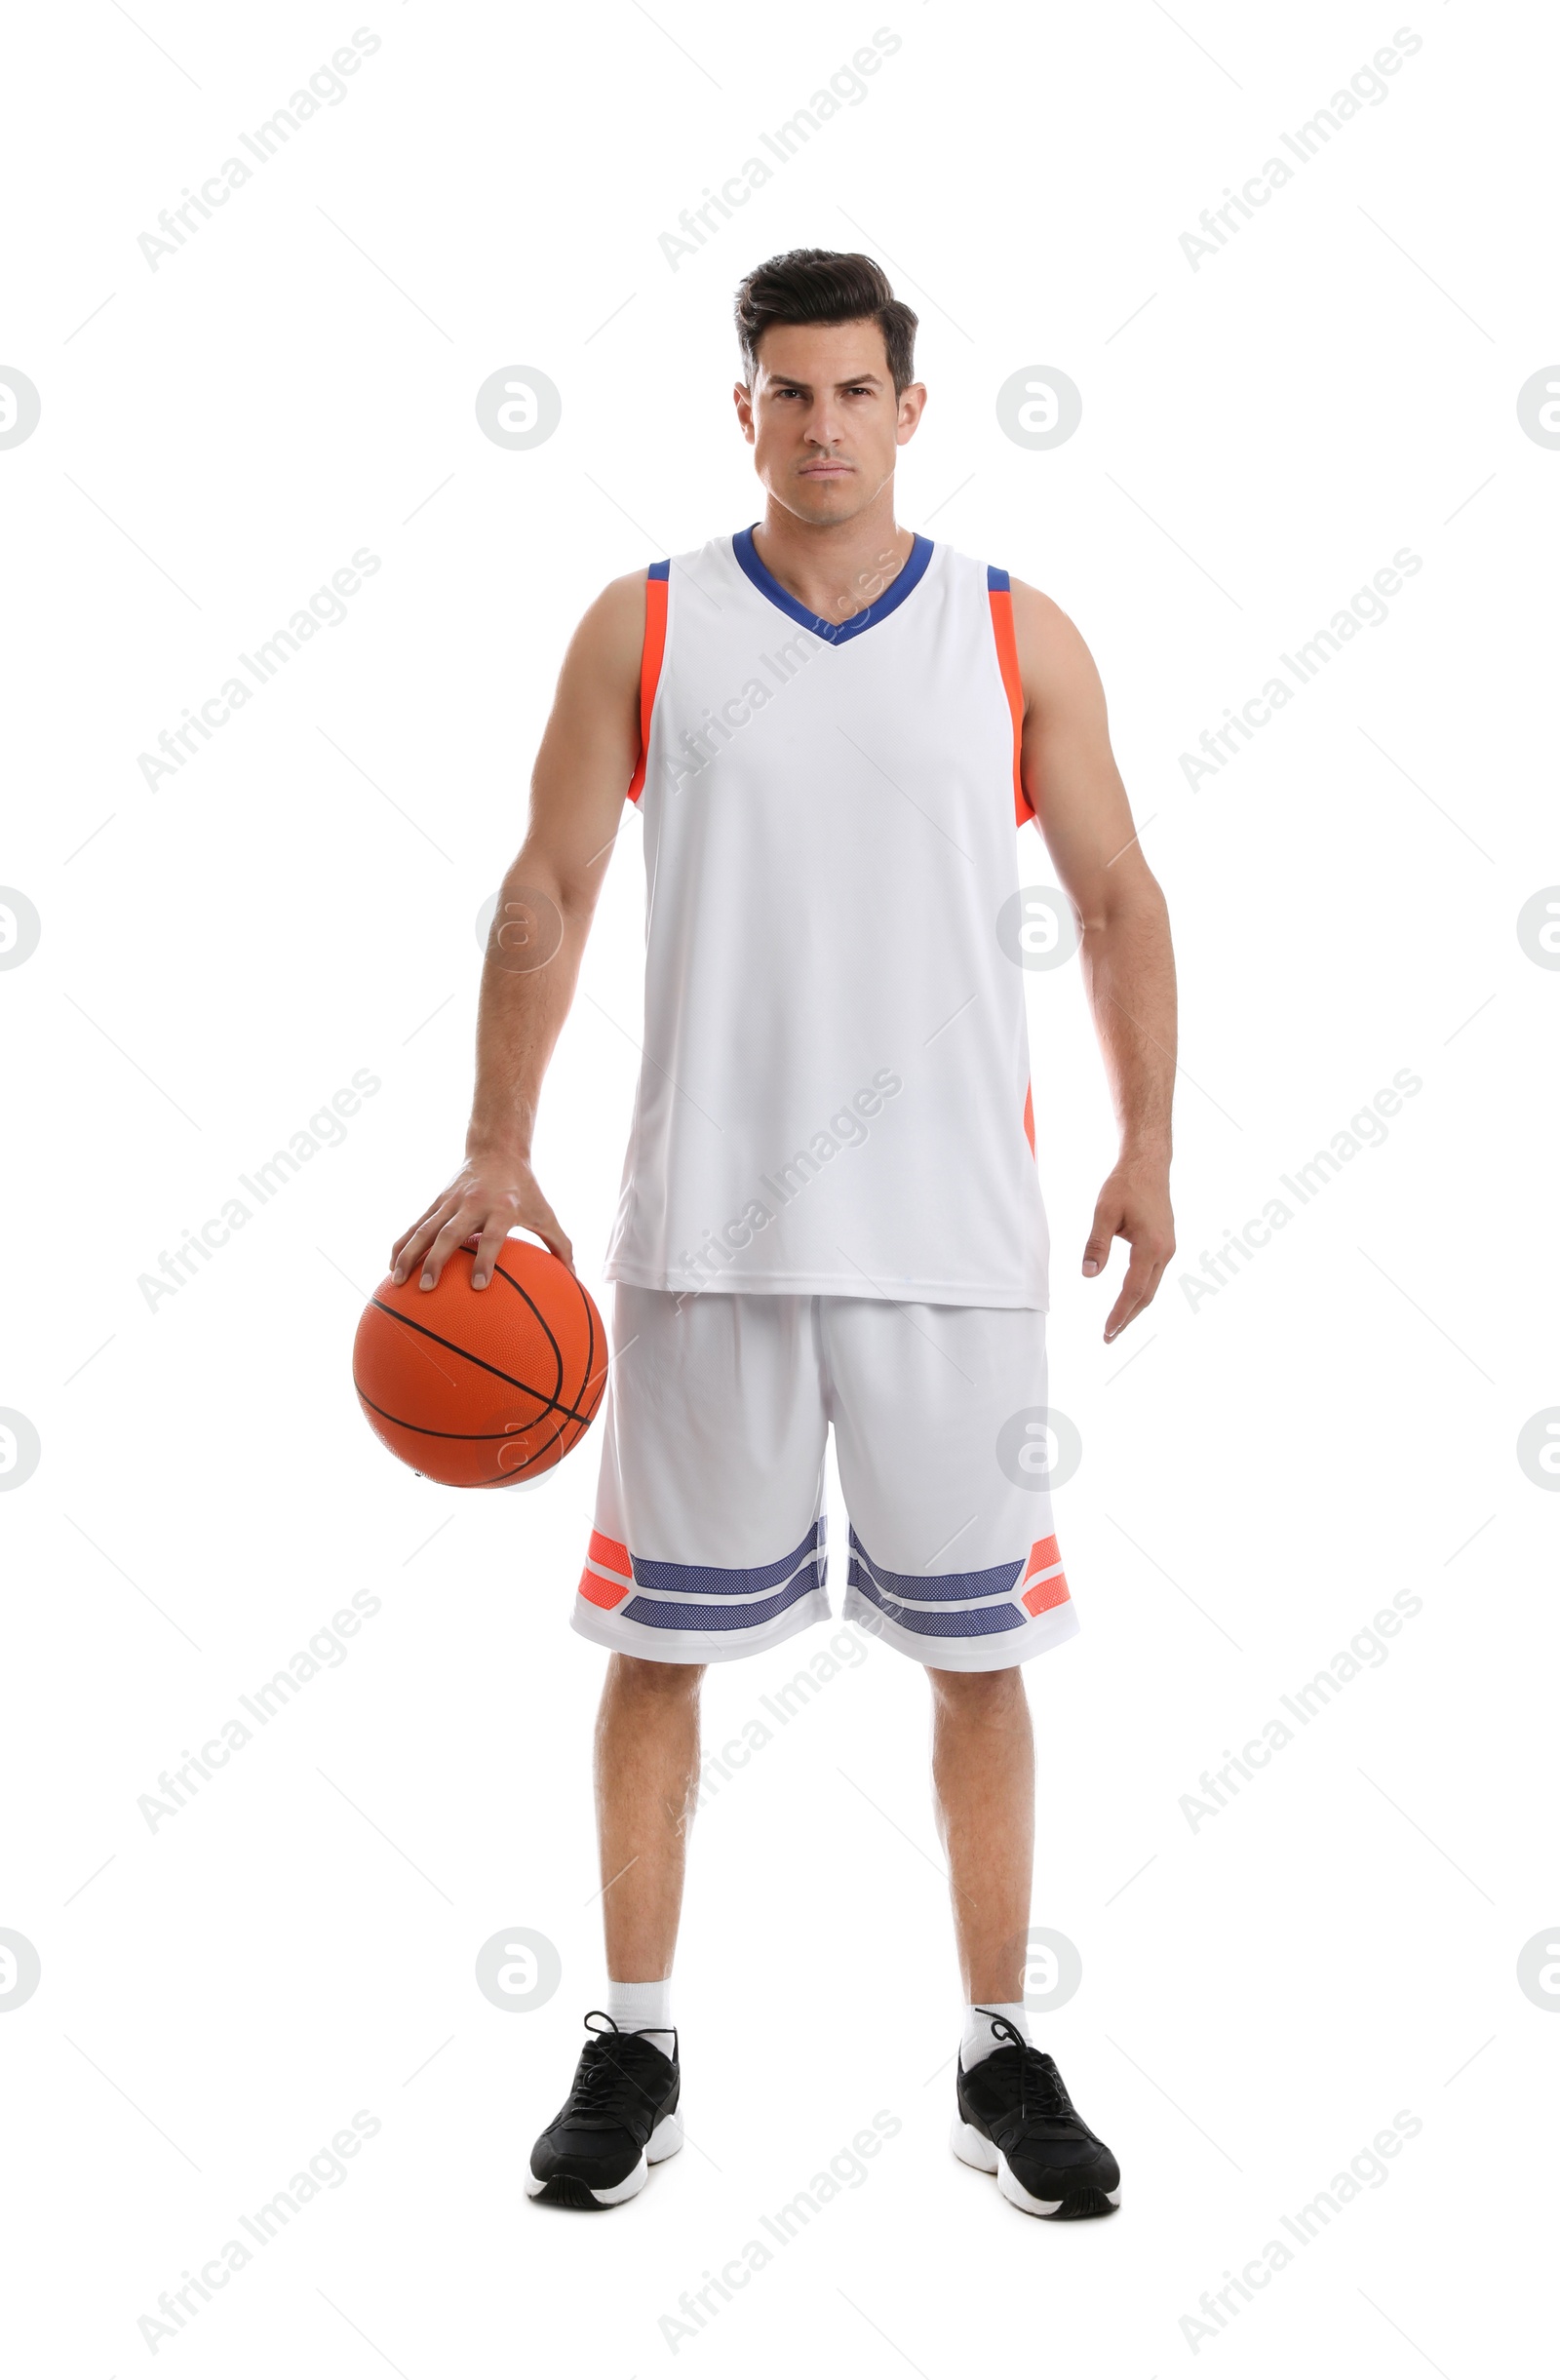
912,405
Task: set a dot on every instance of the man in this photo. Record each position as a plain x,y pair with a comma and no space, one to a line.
830,1209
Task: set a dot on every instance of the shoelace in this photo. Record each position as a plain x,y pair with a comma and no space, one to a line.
604,2088
1036,2076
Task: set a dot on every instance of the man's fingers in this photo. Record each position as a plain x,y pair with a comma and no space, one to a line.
410,1248
551,1231
493,1234
1122,1313
434,1207
448,1238
476,1216
1138,1290
400,1247
1097,1248
1127,1308
1130,1209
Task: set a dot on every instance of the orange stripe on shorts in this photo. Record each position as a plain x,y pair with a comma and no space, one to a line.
612,1556
606,1593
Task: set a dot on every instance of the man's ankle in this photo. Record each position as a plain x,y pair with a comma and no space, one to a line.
642,2007
989,2024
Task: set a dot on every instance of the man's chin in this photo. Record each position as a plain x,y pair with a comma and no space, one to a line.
832,499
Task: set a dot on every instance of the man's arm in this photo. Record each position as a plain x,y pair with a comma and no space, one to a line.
1071,776
587,758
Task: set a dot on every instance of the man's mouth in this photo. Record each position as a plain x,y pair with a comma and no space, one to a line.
826,470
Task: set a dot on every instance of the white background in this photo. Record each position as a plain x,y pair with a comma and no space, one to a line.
1261,1995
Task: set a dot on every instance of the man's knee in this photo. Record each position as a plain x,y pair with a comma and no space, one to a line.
654,1681
978,1696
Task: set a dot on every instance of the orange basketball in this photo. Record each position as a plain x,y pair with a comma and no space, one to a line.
479,1387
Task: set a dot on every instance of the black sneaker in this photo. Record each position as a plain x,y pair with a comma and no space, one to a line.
618,2121
1015,2120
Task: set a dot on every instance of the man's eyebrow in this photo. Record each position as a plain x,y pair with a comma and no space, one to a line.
851,379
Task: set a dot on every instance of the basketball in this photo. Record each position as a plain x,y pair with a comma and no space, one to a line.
478,1389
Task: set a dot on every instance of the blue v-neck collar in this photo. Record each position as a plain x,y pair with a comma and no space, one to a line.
837,632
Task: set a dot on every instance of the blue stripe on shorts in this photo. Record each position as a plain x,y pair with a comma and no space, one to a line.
965,1619
939,1586
700,1578
696,1619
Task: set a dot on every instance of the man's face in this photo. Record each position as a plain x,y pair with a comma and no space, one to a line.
823,420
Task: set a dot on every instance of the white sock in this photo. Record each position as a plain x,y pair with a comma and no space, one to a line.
642,2007
979,2038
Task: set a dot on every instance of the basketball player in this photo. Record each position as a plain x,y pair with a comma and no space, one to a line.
831,1213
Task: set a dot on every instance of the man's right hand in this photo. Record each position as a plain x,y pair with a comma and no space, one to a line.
489,1195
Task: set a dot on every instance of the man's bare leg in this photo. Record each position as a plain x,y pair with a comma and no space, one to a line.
983,1786
1013,2117
622,2115
647,1780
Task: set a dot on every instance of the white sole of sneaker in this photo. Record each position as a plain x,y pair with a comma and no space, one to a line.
972,2148
664,2142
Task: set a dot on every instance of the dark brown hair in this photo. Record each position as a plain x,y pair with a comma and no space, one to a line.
825,285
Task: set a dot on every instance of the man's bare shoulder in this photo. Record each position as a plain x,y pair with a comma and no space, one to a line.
611,634
1054,662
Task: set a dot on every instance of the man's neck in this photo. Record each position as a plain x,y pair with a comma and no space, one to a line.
836,568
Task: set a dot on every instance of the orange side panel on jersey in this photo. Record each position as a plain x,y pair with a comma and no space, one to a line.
1029,1118
1002,601
655,594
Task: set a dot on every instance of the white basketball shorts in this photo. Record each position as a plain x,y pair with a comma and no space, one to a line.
709,1536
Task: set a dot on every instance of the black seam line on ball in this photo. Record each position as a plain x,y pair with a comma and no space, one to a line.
560,1437
522,1292
505,1479
557,1438
417,1330
467,1357
592,1377
549,1405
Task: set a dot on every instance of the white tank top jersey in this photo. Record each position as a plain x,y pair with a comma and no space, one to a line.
835,1098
